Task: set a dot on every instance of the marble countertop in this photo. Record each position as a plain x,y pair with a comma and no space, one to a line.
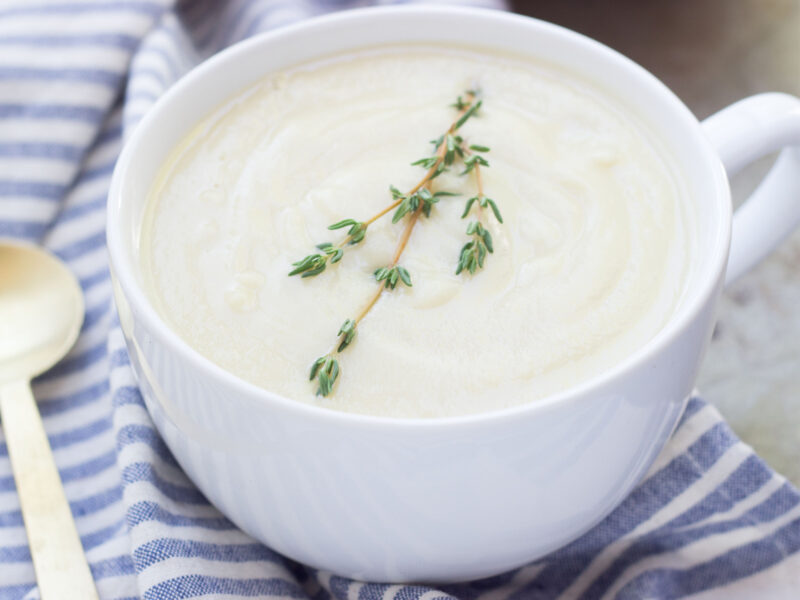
712,53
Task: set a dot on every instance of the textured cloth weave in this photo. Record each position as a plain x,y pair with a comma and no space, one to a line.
711,520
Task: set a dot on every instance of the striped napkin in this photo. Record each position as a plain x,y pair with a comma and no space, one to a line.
711,520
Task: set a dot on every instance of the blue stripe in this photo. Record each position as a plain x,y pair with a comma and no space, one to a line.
15,554
339,587
89,468
778,504
141,471
192,586
111,40
159,550
128,395
76,362
65,402
94,76
166,55
411,592
90,281
373,591
150,73
733,565
97,538
119,358
78,8
51,150
80,508
144,434
94,173
20,591
82,247
139,96
565,565
749,477
34,189
145,511
113,567
15,592
96,502
23,230
67,112
80,434
692,407
85,208
112,133
72,436
95,314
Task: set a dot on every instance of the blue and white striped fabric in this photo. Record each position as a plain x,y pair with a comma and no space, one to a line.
710,521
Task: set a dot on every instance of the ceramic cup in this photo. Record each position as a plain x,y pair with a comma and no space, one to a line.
454,498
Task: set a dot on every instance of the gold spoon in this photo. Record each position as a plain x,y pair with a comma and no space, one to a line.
41,311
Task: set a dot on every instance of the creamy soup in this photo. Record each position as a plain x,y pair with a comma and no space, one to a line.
591,261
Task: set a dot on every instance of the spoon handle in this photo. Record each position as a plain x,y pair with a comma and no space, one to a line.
58,558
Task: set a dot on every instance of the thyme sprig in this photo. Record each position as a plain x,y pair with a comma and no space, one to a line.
473,253
314,264
409,206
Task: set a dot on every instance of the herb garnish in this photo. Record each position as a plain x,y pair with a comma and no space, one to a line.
449,148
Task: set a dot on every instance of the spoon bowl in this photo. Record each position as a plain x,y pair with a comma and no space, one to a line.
41,312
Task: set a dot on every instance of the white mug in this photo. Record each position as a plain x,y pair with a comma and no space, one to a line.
463,497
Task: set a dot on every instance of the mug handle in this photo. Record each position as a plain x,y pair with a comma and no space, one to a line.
742,133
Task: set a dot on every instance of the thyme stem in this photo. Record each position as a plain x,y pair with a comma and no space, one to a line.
389,208
401,246
418,200
479,181
412,221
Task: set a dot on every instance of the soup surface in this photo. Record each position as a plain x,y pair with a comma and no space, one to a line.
589,264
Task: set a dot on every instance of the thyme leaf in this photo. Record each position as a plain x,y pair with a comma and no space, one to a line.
325,369
391,275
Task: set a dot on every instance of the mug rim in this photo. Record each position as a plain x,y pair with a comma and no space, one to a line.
123,271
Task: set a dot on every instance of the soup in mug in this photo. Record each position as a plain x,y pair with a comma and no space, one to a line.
590,260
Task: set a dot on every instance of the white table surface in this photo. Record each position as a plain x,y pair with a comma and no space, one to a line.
712,53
